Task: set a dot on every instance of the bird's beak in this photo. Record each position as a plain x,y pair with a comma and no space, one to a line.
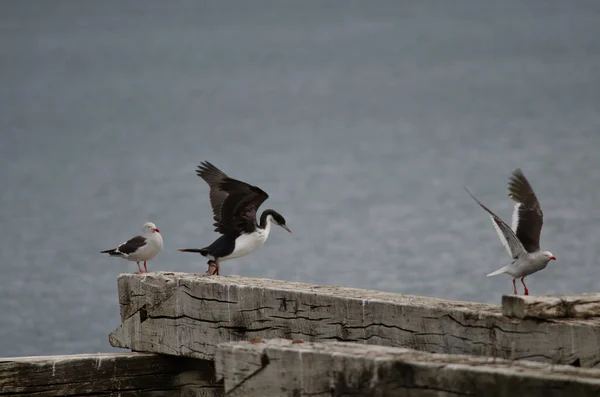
553,258
156,230
286,228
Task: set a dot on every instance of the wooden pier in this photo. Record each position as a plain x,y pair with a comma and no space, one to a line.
284,368
234,336
120,374
186,315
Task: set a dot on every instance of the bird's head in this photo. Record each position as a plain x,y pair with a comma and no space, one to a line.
150,227
277,219
549,256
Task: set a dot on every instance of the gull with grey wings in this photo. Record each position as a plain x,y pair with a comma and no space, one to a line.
234,204
522,241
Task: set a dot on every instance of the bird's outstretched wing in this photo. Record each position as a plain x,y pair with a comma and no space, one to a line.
507,236
213,177
528,217
238,211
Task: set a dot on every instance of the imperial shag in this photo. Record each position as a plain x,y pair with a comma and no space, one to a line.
234,204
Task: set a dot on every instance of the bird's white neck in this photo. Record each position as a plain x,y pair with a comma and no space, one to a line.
266,229
155,238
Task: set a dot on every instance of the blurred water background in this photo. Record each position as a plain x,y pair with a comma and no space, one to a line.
363,120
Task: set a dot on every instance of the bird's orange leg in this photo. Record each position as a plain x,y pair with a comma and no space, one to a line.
139,268
515,287
523,281
145,268
213,269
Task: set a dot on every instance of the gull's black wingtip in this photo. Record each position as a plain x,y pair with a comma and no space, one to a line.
468,191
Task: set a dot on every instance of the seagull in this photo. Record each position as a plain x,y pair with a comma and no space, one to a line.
522,241
234,204
140,248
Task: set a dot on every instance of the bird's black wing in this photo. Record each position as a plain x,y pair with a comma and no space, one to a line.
132,245
238,212
528,217
213,177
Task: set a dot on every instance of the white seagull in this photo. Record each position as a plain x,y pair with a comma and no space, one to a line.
140,248
522,241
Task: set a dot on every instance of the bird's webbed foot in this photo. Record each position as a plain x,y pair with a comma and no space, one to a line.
213,269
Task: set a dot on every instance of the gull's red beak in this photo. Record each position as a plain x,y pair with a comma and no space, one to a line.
553,258
156,230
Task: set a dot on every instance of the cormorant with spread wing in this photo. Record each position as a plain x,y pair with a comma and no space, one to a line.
234,204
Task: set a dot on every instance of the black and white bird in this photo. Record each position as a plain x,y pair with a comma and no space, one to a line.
140,248
234,204
522,241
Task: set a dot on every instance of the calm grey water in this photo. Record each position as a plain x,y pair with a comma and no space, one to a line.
362,120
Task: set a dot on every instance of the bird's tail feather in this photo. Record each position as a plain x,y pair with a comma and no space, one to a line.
111,252
499,271
201,251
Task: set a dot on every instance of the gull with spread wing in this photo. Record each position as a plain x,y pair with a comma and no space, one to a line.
522,241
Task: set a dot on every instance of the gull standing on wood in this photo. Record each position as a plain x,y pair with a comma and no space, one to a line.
522,241
140,248
234,204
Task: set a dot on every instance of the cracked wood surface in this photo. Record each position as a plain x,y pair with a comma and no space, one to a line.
283,368
549,307
183,314
120,374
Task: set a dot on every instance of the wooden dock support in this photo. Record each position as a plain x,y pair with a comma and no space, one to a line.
187,315
551,307
284,368
403,345
120,374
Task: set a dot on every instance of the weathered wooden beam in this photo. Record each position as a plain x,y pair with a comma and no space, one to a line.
284,368
550,307
123,374
183,314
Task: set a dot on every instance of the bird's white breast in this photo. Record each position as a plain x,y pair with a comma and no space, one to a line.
247,243
153,246
527,264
